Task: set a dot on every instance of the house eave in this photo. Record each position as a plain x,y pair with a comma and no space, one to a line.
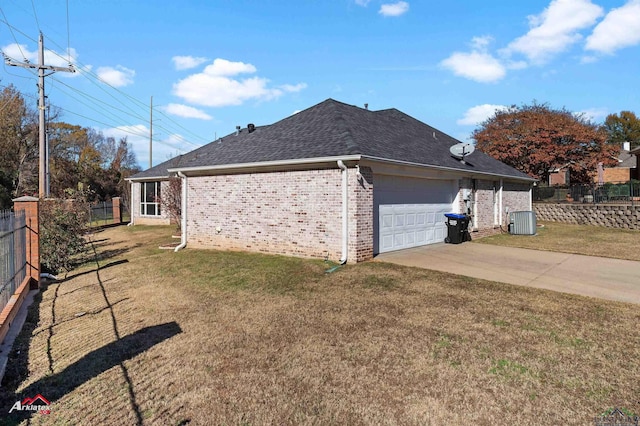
264,166
147,178
468,173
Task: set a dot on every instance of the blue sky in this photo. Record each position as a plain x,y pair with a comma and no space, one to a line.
212,65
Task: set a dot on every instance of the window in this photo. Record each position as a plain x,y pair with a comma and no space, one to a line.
149,198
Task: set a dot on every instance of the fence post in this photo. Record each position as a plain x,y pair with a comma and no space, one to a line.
117,210
31,208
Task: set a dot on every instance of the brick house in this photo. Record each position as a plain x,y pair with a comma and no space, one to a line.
625,170
333,181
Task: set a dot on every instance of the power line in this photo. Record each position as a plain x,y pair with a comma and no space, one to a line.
120,129
35,15
139,117
68,34
6,21
85,71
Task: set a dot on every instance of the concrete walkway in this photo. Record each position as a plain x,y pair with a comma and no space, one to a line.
611,279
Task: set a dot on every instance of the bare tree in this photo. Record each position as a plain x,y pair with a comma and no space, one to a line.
170,200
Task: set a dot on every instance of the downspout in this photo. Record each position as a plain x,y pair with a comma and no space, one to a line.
345,213
132,207
500,215
183,211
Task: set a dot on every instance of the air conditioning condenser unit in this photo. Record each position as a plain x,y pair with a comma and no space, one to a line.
522,223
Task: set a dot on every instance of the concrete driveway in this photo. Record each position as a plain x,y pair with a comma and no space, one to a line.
611,279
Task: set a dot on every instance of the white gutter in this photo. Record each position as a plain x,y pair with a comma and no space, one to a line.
452,169
183,211
345,213
292,162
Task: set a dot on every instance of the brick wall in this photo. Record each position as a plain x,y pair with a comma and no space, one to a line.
360,215
616,174
485,204
621,216
295,213
515,196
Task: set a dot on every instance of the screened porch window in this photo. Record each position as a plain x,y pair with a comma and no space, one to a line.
149,197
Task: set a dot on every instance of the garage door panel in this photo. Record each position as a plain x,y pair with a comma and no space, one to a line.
411,211
387,221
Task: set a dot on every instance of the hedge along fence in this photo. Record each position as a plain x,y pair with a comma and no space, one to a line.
607,215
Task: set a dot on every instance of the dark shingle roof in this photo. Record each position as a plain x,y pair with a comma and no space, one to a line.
628,160
331,129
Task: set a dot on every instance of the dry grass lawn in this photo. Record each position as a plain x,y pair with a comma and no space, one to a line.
206,337
577,239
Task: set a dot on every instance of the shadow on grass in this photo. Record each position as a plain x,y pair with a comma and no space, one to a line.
92,271
55,386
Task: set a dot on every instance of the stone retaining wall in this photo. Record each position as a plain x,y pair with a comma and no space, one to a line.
610,216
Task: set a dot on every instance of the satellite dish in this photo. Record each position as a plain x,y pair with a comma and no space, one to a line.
460,150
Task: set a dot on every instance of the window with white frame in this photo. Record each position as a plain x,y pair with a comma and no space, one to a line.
150,198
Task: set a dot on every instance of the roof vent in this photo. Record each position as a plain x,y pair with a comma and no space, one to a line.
366,106
237,130
251,127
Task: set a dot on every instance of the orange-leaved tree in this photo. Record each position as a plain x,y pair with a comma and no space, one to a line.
536,139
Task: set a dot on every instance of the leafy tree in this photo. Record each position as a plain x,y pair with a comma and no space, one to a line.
536,138
623,127
18,145
79,157
63,224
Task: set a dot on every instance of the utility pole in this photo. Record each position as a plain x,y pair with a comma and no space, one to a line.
151,134
41,67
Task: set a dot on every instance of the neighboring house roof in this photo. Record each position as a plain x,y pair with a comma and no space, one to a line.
629,160
334,129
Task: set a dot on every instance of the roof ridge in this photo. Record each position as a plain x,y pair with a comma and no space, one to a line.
345,131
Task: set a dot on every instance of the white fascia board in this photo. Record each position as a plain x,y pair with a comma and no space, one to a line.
147,179
265,164
448,169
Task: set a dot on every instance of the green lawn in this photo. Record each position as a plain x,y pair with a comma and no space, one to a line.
207,337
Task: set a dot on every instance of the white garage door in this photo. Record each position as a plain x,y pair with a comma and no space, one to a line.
411,211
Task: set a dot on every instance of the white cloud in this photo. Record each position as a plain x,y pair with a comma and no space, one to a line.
138,137
481,43
222,68
619,29
594,114
187,62
479,113
186,111
394,9
293,88
555,29
117,77
477,66
215,87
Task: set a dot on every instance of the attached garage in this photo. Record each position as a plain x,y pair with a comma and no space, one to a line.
409,212
333,181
